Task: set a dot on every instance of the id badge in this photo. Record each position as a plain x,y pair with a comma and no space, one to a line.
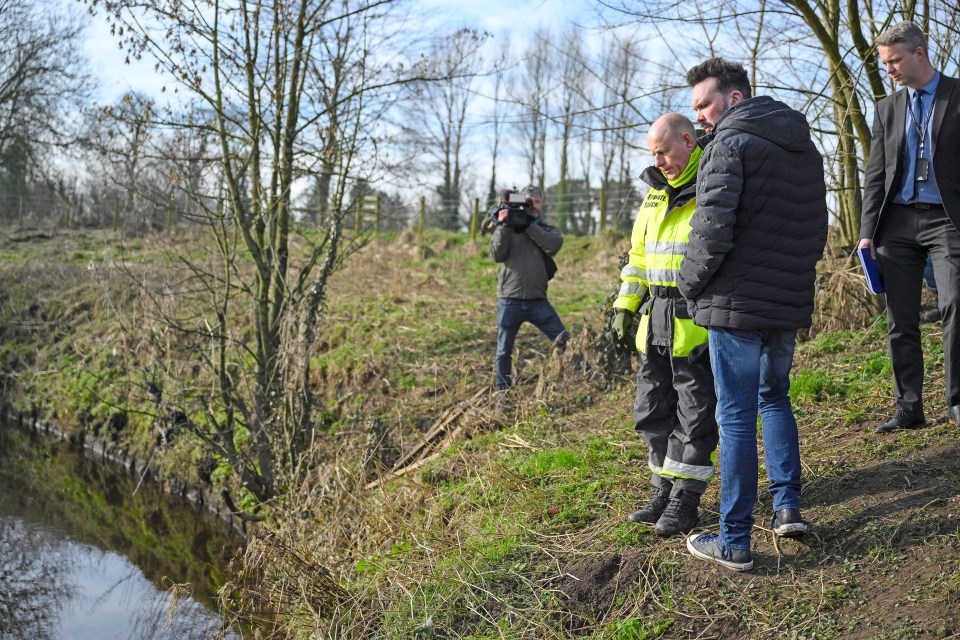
923,169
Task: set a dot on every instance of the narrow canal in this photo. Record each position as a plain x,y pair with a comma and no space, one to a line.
84,557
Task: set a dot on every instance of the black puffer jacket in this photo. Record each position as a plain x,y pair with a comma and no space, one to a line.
761,221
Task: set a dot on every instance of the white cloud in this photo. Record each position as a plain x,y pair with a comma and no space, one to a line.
108,62
520,18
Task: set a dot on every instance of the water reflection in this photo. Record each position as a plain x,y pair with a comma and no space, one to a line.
81,558
31,582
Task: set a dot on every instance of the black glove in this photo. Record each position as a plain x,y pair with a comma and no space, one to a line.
622,325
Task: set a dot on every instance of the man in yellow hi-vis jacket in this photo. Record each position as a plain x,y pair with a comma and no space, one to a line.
675,403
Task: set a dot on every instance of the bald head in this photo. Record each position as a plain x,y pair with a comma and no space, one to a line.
671,140
673,125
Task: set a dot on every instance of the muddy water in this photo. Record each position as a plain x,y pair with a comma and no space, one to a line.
84,558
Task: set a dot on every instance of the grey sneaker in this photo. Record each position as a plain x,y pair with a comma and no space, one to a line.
707,546
788,523
650,513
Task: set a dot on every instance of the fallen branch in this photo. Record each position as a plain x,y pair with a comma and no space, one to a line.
438,428
398,473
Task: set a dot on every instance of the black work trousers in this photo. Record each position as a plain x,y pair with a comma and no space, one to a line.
907,234
675,413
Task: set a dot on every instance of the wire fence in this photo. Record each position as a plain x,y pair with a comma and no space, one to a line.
580,211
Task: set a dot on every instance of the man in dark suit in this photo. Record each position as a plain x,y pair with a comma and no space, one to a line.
911,209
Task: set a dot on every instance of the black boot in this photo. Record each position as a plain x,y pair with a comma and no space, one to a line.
680,516
651,512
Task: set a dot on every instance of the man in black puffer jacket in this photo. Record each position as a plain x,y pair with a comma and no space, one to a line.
748,275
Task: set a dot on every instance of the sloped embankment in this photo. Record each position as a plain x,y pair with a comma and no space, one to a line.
512,523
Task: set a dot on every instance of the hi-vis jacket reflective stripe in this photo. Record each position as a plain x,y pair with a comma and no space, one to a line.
658,241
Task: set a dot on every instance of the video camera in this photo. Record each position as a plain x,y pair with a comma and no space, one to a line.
520,211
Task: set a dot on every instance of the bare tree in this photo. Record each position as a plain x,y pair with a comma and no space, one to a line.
586,222
531,95
496,120
256,308
571,107
42,82
827,24
820,57
436,113
621,67
340,102
119,137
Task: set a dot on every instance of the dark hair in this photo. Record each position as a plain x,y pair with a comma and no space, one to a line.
531,190
730,76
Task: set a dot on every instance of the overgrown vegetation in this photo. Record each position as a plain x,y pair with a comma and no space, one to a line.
509,521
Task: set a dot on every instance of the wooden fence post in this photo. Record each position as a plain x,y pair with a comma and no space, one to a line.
67,211
421,223
475,219
603,211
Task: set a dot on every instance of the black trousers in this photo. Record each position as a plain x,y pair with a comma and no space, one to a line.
675,413
905,238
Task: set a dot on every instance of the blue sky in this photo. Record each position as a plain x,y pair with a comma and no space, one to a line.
517,18
113,76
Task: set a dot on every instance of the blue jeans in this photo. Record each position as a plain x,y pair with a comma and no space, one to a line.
511,313
752,375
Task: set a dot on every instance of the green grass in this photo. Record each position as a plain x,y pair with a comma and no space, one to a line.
637,629
483,539
831,343
814,386
543,463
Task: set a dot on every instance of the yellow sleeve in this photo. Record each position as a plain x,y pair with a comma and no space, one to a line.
633,276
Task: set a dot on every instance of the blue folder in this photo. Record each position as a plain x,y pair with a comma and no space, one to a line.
871,270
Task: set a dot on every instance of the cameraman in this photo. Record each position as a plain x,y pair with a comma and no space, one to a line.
521,244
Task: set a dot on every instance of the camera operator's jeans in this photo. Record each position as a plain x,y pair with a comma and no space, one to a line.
751,372
511,313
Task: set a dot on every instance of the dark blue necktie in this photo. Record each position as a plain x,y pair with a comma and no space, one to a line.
915,129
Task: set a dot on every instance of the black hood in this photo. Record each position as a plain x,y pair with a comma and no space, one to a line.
677,196
655,178
769,119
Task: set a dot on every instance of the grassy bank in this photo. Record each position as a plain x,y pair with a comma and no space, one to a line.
509,521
